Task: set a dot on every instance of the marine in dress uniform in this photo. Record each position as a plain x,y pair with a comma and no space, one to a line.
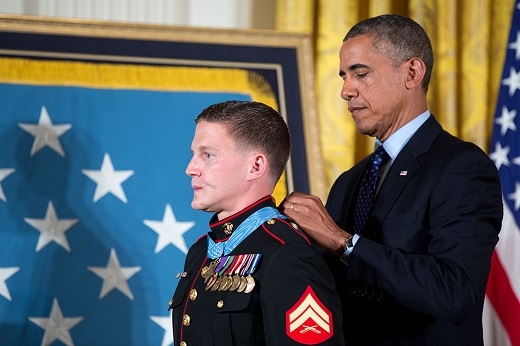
272,288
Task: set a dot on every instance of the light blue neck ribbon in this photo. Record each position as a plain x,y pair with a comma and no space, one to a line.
217,249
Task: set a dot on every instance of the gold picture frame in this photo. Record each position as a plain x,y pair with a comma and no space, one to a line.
288,55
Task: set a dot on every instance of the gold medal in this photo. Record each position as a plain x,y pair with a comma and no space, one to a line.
210,271
211,281
213,265
235,283
223,283
250,284
217,283
228,283
243,284
204,272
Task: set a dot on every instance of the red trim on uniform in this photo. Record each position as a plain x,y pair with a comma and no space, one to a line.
216,241
223,221
309,321
202,236
272,235
295,230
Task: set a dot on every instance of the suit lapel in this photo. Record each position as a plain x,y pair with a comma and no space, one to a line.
404,167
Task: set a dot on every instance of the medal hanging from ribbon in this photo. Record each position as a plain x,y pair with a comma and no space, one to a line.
231,273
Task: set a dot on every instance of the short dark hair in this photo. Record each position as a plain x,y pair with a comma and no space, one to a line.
254,125
399,38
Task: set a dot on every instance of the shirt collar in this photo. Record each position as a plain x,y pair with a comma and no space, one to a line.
399,138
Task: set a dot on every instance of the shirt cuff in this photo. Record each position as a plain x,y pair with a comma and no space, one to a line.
348,251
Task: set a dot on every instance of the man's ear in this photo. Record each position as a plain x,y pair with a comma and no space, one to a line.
416,69
258,166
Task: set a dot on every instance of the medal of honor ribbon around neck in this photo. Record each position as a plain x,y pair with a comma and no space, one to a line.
247,227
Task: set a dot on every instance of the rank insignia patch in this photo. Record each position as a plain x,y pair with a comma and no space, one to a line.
309,321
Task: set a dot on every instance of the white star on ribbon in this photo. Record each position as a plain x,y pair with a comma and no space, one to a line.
506,120
4,172
51,228
166,324
499,156
170,231
46,133
513,81
108,179
6,273
56,326
115,276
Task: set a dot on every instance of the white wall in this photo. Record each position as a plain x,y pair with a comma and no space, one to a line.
256,14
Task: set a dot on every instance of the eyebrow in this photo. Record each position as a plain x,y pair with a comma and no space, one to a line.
353,68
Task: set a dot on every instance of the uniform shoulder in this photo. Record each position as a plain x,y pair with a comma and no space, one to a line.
200,244
283,231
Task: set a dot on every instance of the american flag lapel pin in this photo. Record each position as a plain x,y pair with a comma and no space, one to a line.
403,173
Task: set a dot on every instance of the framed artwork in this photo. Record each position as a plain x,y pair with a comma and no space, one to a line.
95,132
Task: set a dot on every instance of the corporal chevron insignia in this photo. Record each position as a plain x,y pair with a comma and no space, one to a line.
309,321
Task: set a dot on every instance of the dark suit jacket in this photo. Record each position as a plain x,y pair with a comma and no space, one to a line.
418,273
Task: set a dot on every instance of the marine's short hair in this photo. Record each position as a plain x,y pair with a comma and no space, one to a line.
254,125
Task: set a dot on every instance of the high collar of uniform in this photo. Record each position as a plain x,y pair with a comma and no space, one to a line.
222,229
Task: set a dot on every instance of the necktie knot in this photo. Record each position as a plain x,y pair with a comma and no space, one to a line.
380,157
368,188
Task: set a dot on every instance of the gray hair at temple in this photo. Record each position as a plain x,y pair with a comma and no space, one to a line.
399,38
254,125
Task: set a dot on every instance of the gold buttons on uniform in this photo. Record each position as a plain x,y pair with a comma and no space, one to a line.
186,320
270,222
220,304
183,343
193,294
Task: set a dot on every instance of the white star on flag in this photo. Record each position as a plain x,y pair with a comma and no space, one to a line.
114,276
501,314
515,196
516,46
513,81
56,326
108,179
4,172
6,273
170,230
51,228
499,156
46,133
506,120
166,323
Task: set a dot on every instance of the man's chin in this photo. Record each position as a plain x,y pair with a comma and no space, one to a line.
199,206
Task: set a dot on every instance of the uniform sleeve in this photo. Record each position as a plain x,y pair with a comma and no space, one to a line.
298,300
